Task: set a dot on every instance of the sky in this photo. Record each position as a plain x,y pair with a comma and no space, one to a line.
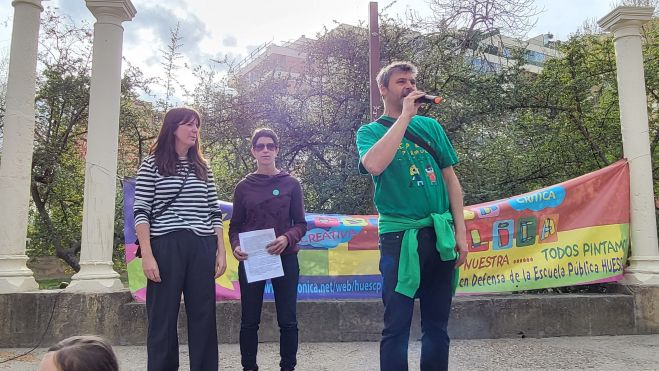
212,29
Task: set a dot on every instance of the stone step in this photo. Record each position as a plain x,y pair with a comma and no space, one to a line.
116,316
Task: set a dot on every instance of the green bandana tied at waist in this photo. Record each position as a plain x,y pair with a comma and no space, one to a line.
409,271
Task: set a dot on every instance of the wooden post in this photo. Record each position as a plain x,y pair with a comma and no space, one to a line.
374,59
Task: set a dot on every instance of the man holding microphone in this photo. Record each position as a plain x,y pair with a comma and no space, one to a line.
421,225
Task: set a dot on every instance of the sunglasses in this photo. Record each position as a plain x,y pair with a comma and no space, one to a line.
259,147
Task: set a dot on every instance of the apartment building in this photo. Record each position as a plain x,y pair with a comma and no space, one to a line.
496,51
488,54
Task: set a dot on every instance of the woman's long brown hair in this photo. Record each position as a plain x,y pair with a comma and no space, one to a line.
164,148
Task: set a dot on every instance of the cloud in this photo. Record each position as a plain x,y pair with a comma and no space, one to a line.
153,60
74,9
251,48
161,22
230,41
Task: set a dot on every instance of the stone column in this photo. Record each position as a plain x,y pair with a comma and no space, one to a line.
625,22
96,273
15,170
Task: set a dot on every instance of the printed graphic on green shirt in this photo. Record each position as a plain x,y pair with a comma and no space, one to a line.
416,180
430,172
411,186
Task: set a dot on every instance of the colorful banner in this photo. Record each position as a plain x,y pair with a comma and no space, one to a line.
573,233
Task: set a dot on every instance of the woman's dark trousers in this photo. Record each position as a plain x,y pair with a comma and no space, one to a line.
187,265
251,301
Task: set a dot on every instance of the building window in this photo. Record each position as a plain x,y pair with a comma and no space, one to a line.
491,49
483,65
534,58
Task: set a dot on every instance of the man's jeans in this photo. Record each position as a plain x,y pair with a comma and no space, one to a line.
435,295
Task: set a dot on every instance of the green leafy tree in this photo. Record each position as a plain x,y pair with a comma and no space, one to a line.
57,166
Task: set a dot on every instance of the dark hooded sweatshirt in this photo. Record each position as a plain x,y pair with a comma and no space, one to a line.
269,201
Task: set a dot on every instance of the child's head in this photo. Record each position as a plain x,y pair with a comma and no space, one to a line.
79,353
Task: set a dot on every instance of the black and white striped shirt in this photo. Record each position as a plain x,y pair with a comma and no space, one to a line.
196,208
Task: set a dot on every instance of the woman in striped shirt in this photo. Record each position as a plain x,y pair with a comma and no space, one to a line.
179,227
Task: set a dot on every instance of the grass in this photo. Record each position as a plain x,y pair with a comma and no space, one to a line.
51,283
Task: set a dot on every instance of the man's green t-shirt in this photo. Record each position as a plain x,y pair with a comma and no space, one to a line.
412,185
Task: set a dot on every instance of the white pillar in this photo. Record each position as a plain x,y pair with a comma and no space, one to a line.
625,22
15,172
96,273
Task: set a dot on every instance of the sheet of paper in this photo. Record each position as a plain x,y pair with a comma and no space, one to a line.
260,265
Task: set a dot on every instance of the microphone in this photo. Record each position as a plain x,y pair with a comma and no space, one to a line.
432,99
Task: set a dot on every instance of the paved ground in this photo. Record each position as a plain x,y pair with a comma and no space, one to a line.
629,353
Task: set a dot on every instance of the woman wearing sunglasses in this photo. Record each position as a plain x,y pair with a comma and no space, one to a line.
269,198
